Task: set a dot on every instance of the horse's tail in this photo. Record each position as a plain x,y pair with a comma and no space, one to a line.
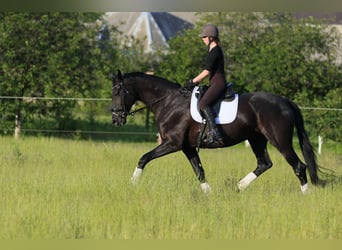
305,145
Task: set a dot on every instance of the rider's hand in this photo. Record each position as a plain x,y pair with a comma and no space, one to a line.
189,84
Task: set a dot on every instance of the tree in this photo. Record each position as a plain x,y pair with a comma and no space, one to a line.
47,54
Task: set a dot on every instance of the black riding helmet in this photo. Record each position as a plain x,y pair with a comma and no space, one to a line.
209,30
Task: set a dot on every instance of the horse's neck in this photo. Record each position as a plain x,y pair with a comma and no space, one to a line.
153,94
149,93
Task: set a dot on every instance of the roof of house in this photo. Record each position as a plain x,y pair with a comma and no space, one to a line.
153,28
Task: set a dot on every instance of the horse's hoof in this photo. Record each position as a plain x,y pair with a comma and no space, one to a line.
244,183
136,175
305,188
205,187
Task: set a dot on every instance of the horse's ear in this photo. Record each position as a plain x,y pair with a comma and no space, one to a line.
119,75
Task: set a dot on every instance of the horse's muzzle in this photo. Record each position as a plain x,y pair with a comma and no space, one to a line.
118,117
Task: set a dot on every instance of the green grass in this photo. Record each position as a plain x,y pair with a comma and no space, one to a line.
64,189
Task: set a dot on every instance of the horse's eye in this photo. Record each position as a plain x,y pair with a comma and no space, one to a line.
116,89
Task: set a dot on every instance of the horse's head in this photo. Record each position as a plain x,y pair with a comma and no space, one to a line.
119,107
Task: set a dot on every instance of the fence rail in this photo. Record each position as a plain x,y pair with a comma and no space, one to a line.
54,98
30,98
82,131
319,108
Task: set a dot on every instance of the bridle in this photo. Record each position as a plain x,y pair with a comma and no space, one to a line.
120,112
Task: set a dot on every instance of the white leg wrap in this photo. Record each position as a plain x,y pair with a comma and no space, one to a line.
136,175
205,187
305,188
244,183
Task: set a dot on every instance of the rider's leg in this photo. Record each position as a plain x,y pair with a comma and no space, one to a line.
213,134
214,92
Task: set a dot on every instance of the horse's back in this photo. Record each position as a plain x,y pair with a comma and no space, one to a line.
267,103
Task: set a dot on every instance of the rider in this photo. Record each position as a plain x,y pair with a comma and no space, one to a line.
214,68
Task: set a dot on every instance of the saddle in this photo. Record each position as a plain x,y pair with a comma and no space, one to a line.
225,109
228,96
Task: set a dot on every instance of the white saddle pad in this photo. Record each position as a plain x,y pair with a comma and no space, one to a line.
227,113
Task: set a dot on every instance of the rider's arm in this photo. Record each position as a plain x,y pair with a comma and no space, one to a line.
201,76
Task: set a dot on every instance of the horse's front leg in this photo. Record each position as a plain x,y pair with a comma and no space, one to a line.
196,164
161,150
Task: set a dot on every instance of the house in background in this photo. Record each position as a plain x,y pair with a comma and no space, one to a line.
154,29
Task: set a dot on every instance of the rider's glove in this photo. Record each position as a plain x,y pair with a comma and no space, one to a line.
189,84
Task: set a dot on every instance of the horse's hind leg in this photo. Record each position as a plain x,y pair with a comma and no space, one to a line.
259,147
297,165
196,164
283,142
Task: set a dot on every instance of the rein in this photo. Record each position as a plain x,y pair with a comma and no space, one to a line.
132,113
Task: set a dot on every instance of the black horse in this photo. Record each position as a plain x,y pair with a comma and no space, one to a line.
261,117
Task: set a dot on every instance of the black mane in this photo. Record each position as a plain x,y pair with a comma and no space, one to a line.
155,78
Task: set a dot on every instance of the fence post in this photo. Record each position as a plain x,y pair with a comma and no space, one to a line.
17,127
320,143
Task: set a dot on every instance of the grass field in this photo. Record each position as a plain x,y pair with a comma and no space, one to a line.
66,189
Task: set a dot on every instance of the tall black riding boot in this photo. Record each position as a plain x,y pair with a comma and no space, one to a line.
213,134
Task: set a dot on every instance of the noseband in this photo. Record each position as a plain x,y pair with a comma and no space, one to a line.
120,112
